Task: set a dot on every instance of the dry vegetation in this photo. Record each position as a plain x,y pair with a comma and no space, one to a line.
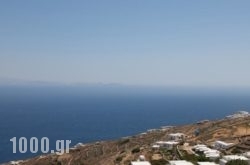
122,151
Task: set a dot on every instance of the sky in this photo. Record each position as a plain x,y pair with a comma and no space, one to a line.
131,42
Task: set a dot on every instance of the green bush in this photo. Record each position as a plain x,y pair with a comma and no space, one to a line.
202,158
236,151
192,158
159,162
237,162
123,141
135,150
119,159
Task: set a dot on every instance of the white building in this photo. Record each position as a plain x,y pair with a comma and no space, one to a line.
220,145
166,127
156,146
141,163
79,145
142,158
176,136
208,152
16,162
201,148
180,162
246,154
152,130
228,158
238,114
212,156
167,144
207,163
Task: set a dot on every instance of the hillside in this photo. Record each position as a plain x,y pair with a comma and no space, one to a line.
124,150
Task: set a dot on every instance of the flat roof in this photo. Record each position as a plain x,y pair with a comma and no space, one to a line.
167,142
140,163
176,134
206,163
156,146
180,162
234,157
199,145
223,143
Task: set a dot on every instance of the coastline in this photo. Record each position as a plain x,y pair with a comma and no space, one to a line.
108,151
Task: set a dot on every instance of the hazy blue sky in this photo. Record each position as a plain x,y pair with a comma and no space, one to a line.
140,42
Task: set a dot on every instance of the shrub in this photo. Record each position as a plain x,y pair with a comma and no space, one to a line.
236,151
237,162
135,150
123,141
119,159
202,158
159,162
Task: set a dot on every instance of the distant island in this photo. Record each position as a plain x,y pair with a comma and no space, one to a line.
204,143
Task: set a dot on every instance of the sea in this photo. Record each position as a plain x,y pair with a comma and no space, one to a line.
89,113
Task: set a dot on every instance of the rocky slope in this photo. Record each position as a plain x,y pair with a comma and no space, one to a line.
124,150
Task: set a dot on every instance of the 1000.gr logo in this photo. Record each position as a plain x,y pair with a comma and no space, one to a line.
62,146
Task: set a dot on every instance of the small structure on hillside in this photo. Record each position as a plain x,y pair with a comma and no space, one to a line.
142,158
180,162
165,128
197,132
169,145
202,121
238,114
140,163
156,146
221,145
153,130
208,152
16,162
177,137
228,158
246,154
79,145
207,163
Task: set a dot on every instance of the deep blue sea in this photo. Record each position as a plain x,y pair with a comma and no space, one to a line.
92,113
